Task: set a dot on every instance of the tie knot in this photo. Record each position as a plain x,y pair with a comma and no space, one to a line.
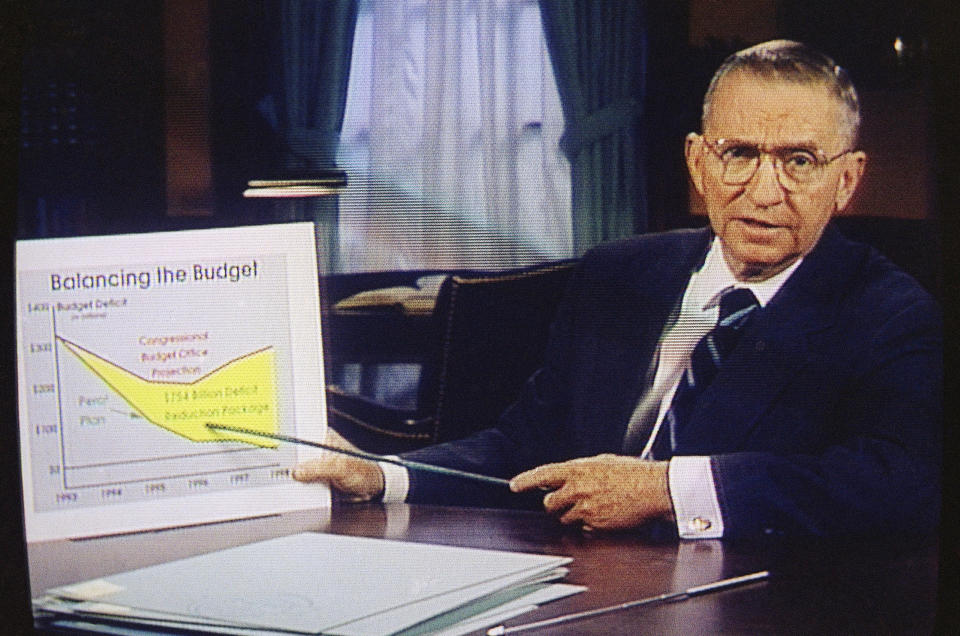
735,305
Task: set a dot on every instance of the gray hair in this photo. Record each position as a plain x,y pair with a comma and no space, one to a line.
786,60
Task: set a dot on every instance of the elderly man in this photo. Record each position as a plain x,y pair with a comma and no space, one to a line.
765,376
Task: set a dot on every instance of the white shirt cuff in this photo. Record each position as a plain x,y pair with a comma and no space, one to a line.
694,496
396,482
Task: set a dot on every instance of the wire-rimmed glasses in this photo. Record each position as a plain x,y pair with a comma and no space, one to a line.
796,167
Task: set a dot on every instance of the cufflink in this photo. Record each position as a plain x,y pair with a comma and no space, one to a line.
699,524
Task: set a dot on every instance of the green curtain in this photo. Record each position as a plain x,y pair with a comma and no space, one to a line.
313,50
598,52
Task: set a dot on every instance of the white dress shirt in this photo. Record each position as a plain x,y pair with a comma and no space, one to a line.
692,488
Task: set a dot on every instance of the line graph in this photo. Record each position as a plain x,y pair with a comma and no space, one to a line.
243,390
120,420
125,354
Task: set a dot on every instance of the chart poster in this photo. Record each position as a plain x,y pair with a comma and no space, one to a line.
129,345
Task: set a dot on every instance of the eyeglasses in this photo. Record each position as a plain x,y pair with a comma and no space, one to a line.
795,167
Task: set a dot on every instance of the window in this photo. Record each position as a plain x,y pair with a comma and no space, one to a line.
450,139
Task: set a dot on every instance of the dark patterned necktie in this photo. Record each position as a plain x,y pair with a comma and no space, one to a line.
736,307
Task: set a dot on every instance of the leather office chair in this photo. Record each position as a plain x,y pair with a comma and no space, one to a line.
487,332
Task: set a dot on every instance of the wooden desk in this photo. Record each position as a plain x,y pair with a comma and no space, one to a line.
814,589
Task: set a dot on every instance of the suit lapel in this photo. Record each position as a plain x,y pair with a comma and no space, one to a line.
658,281
772,351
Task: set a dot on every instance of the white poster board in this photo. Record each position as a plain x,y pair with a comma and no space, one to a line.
128,345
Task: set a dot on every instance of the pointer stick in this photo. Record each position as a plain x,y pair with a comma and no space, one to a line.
716,586
406,463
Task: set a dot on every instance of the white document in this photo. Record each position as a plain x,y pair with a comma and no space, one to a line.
128,345
317,583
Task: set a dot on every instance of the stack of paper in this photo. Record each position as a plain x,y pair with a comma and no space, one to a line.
316,584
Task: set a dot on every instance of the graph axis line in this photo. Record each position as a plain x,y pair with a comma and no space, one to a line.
247,449
61,431
177,476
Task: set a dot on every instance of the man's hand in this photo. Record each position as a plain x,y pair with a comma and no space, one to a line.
358,479
606,492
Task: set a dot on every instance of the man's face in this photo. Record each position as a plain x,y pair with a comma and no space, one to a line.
763,226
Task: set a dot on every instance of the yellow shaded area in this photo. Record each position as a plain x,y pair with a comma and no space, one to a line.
241,393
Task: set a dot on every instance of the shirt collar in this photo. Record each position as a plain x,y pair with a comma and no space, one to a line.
715,277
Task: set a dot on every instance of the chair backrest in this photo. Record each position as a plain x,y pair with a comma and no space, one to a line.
493,331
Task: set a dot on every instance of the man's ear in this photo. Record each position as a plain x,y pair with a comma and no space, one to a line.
693,152
853,166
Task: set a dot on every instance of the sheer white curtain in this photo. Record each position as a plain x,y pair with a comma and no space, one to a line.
450,139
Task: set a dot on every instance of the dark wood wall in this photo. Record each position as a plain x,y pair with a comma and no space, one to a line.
895,90
114,99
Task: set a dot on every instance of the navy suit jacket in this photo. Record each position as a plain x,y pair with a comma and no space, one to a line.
824,420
